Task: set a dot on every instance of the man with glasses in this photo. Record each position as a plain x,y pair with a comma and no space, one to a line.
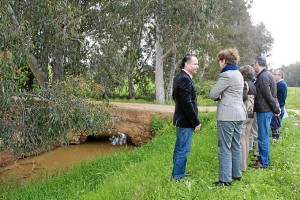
281,96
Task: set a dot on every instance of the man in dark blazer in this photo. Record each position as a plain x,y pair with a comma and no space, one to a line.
186,114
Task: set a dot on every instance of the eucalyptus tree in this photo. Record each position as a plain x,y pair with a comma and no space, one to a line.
48,35
51,36
127,48
233,28
56,33
174,23
261,39
292,74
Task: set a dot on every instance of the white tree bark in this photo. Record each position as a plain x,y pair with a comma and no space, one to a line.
159,69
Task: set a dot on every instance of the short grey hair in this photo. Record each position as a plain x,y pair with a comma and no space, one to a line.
280,72
247,72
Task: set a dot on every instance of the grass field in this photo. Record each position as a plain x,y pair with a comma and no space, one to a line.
144,173
293,98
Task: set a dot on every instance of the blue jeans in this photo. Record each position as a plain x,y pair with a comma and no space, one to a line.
181,151
263,123
229,149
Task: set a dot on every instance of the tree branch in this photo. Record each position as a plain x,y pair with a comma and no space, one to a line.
94,32
33,63
180,38
12,15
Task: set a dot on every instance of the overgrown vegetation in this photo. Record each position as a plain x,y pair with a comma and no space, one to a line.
145,172
36,121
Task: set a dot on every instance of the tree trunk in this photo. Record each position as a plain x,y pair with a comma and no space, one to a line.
159,69
131,93
37,71
171,78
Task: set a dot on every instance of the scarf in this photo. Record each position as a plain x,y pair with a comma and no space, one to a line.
230,67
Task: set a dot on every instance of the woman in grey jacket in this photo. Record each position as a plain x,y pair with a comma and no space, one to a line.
231,114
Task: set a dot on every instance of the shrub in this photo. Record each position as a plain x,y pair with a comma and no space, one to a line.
31,123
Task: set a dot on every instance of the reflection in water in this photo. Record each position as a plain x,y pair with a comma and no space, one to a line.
60,158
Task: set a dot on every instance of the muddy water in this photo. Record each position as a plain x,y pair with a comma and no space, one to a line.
61,158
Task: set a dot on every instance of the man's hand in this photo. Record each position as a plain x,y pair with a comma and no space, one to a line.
278,113
198,128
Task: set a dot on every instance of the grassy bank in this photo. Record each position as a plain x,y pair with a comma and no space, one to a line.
145,172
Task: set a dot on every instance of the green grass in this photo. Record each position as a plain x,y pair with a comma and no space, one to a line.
293,96
144,173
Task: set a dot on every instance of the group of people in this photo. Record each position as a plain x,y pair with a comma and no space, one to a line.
239,125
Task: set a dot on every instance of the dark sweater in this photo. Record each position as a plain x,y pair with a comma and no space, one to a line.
281,92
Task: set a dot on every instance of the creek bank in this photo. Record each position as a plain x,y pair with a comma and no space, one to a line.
131,119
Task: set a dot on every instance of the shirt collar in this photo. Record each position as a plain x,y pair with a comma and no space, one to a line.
188,73
280,80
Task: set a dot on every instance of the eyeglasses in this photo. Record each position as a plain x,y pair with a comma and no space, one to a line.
276,74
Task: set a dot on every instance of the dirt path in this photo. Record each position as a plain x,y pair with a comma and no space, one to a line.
158,107
293,110
167,108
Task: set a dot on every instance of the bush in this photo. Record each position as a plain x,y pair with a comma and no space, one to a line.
157,123
31,123
204,87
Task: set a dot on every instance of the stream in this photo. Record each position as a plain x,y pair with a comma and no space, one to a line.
64,157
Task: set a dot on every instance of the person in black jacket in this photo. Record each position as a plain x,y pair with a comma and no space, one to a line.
265,106
186,114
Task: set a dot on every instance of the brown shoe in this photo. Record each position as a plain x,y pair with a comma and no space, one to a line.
257,165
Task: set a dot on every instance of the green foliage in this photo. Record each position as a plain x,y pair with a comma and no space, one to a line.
6,81
204,87
144,173
34,123
112,42
158,123
80,87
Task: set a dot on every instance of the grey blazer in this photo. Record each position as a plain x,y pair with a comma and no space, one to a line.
229,92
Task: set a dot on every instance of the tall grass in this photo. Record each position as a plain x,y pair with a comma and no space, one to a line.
144,173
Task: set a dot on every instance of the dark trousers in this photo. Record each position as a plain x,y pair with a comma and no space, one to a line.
276,124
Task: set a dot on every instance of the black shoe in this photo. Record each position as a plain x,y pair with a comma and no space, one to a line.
237,178
221,183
